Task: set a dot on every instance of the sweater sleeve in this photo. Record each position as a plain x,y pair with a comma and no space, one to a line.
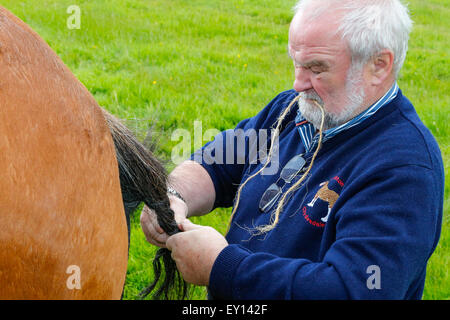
386,228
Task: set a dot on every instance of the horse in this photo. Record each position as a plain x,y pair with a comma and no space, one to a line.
71,174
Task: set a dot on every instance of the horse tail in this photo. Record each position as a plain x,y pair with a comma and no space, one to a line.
144,179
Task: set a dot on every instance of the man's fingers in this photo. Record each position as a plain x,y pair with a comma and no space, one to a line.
151,215
155,238
153,231
150,230
179,207
187,225
179,216
170,243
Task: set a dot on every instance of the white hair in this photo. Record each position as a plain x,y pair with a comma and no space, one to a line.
368,26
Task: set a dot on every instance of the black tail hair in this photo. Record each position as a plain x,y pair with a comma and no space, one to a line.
144,179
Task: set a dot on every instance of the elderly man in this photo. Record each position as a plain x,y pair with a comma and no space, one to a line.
354,209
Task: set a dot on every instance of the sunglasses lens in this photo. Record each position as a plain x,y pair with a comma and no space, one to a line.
269,197
292,168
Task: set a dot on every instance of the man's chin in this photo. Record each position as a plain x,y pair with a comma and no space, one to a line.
310,111
315,118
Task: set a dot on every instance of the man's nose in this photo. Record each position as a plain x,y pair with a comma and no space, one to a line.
302,79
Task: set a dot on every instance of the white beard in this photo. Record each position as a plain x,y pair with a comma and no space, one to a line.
355,95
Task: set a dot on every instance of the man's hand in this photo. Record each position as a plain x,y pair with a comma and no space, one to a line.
195,250
150,226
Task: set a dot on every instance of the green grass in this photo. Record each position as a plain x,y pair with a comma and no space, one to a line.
174,62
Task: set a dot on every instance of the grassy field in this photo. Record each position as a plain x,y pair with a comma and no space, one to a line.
169,63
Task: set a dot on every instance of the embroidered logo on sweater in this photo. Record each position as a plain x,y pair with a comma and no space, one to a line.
317,210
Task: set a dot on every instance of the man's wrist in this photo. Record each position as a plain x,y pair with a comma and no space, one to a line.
174,192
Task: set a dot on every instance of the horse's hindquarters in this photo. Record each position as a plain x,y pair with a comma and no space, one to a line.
63,232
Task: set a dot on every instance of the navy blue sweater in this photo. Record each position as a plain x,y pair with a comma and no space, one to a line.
383,226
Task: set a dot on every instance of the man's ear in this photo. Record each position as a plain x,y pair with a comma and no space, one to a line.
381,66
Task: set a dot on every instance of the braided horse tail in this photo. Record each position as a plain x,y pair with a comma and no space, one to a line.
144,179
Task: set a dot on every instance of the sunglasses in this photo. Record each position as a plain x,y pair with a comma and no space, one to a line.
273,192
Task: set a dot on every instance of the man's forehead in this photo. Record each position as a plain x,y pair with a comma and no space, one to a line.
309,62
316,39
315,35
313,56
315,31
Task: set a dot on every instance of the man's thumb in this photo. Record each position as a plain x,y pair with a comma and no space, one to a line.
187,225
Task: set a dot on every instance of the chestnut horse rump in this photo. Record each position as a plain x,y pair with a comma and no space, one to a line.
63,232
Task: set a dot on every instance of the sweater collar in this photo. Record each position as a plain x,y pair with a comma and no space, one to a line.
308,132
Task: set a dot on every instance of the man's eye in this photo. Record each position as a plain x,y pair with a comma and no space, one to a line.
316,70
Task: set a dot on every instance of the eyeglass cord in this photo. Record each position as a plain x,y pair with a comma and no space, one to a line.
275,217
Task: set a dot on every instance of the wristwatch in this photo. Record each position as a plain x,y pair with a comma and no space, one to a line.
175,193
